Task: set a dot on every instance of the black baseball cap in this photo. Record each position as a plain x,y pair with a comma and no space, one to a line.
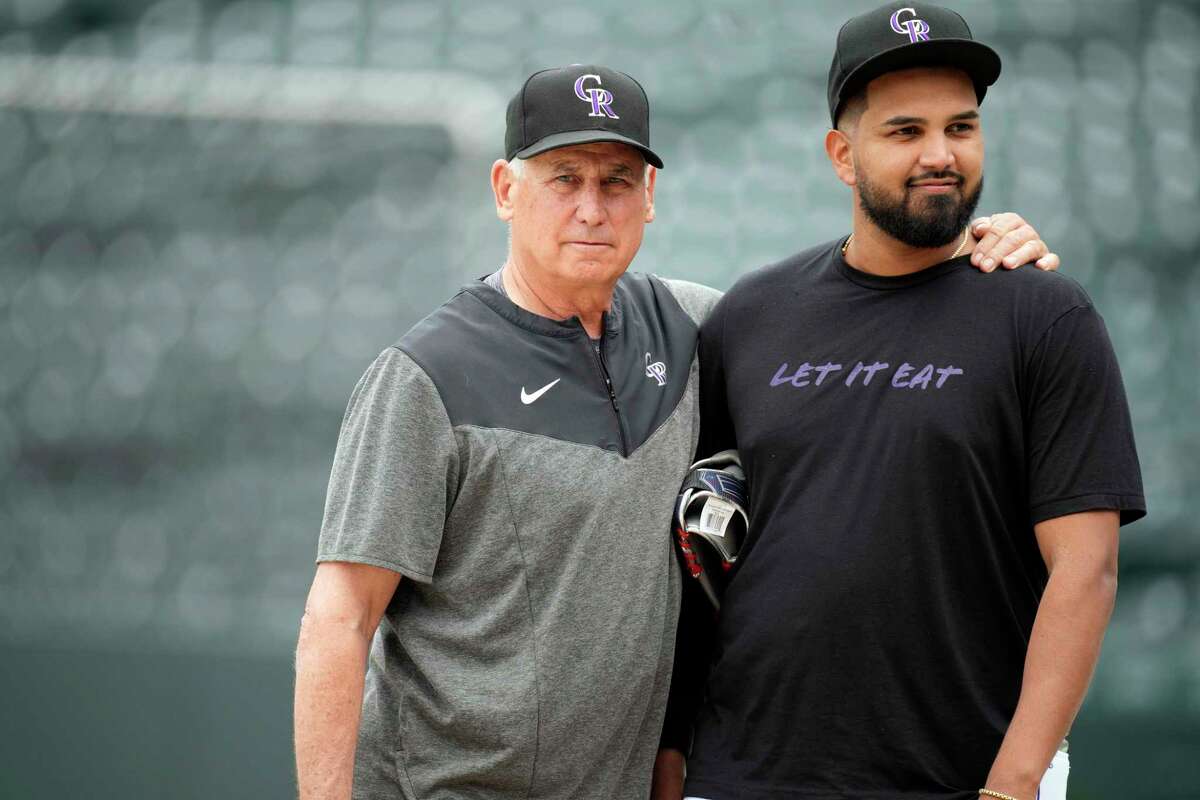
577,104
903,35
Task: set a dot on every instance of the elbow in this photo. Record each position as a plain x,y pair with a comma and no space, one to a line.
1092,582
306,641
324,640
1100,584
1102,577
319,625
1108,586
344,607
307,623
1102,592
1106,577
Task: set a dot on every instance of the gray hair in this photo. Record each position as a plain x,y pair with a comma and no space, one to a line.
517,168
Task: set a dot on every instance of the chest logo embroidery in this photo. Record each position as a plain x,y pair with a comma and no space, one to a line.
528,398
656,370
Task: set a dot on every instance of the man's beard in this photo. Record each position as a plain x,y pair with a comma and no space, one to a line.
934,221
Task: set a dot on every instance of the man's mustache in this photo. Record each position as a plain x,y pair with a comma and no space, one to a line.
938,176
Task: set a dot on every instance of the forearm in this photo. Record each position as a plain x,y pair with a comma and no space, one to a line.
694,640
330,667
668,775
1062,654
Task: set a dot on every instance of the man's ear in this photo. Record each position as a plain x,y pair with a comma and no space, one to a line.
841,155
503,185
651,177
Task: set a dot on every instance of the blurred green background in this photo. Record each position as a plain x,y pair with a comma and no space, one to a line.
213,215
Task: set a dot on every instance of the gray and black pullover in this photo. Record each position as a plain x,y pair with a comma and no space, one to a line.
521,480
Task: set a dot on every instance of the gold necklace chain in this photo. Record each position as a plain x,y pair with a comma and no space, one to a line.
961,245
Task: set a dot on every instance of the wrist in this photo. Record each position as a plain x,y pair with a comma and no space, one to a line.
987,793
667,781
1016,771
1009,787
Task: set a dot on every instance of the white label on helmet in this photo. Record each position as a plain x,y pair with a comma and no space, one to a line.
714,519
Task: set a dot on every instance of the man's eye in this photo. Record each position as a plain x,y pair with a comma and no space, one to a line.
907,131
564,178
962,127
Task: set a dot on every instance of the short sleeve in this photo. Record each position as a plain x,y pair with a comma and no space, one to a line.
394,472
1080,443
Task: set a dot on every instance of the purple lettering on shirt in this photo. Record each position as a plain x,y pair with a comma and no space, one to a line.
922,378
871,370
824,370
779,376
854,373
906,376
944,374
801,372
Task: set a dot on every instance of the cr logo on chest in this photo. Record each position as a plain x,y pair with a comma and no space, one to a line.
905,376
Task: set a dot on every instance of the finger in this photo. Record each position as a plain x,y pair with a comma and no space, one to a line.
1030,251
1011,242
979,226
1006,221
1000,225
1049,262
1005,246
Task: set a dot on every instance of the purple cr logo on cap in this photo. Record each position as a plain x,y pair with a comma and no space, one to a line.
916,29
601,99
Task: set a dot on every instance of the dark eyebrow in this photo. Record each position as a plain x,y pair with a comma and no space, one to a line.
904,121
564,165
622,169
900,121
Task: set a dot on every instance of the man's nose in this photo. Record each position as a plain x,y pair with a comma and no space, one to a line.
590,210
937,155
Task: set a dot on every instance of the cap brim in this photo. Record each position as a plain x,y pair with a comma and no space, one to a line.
979,61
568,138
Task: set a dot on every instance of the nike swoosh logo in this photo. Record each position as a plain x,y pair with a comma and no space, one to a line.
527,398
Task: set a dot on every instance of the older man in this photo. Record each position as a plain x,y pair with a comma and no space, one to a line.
938,465
501,490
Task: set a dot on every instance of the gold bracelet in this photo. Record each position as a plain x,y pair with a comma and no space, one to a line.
997,795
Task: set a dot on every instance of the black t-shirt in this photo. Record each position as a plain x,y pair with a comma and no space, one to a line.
901,437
